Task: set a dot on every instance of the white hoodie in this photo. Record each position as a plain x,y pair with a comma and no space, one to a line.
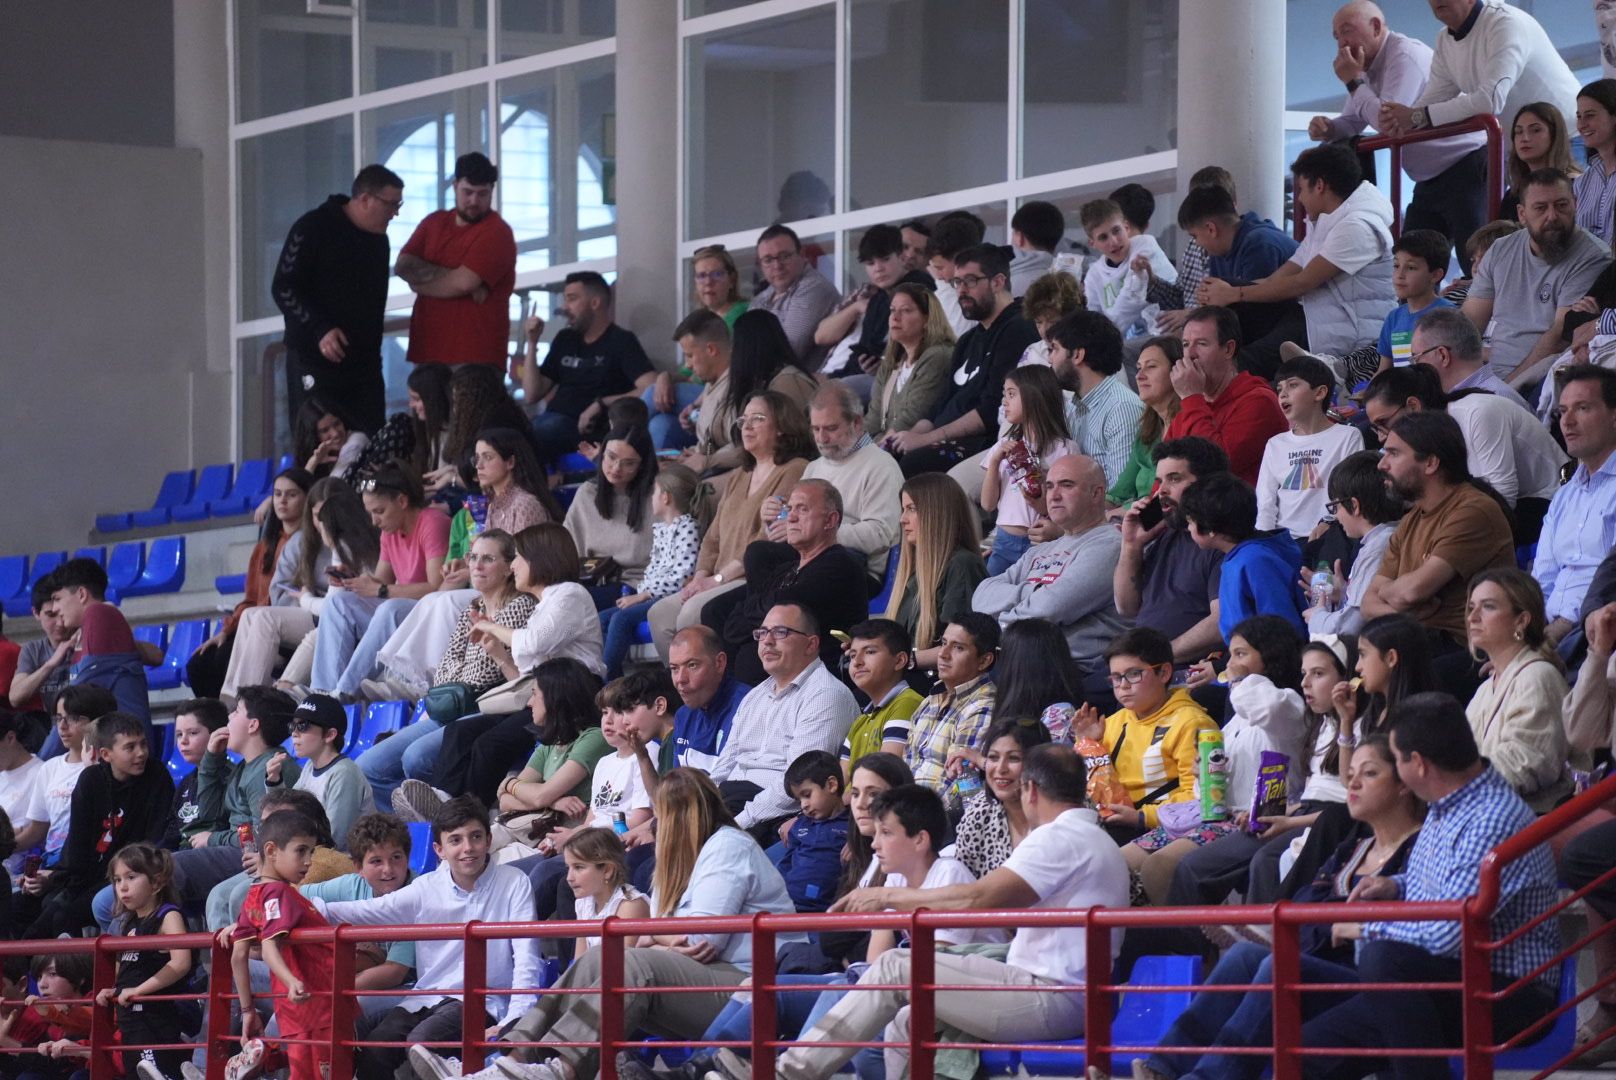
1347,311
1265,718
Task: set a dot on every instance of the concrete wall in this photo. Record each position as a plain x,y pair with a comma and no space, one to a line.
94,70
102,360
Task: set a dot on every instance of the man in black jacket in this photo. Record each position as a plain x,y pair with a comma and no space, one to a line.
331,285
121,799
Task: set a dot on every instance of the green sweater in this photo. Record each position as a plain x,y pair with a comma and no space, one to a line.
227,795
1137,477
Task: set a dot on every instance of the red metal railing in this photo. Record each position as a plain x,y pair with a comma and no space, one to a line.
1485,122
1284,920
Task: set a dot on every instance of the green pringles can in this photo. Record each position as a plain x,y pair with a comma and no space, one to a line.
1213,776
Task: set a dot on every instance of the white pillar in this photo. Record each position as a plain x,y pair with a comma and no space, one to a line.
647,156
1231,96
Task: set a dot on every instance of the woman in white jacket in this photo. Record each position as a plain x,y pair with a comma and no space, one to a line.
1516,713
1264,673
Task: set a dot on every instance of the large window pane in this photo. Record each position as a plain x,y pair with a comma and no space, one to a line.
927,111
1100,82
694,8
760,111
282,175
262,363
287,58
530,27
556,164
406,41
420,141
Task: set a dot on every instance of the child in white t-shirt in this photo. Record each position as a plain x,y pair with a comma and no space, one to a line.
1116,282
597,873
906,820
1294,481
50,810
1015,469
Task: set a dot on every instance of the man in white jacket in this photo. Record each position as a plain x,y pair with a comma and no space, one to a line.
1492,58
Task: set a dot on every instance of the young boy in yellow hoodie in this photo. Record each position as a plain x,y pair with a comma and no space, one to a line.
1152,739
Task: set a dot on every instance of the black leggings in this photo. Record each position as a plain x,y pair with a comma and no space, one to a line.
481,750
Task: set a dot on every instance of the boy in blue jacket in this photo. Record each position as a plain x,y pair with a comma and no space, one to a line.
814,839
1261,569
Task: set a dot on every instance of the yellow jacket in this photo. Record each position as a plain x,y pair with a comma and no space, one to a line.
1149,753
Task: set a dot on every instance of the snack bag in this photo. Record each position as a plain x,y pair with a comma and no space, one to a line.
1104,788
1268,800
1213,777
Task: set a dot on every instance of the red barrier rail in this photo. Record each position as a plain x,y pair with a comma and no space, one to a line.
1285,921
1485,122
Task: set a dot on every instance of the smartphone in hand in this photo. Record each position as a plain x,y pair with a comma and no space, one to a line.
1151,514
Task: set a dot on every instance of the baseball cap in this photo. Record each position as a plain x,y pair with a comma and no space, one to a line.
324,711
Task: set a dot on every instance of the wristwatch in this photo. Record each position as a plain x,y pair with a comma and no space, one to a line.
1353,84
381,592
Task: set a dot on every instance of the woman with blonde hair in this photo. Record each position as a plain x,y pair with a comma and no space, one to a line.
939,561
1539,138
1516,712
913,376
718,283
705,866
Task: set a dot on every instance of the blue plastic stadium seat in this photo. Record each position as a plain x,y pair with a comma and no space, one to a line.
285,462
111,523
1142,1018
212,483
878,603
21,604
575,463
124,565
253,482
423,859
175,491
178,767
153,634
13,576
230,583
379,717
184,638
98,555
165,568
1554,1043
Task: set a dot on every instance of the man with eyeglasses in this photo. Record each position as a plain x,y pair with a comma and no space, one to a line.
461,265
797,294
809,568
801,706
1449,343
330,285
968,418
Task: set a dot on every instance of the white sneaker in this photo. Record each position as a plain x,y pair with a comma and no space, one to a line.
148,1070
417,800
429,1066
516,1070
189,1071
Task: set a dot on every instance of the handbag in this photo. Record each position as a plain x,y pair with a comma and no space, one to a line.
599,570
507,697
448,702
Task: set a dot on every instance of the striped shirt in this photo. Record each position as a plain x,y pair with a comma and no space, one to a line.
947,719
774,726
1595,191
1104,422
800,310
1445,864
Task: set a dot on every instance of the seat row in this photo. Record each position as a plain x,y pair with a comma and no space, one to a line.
214,491
134,568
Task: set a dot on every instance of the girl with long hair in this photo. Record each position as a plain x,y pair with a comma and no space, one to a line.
610,516
939,561
415,435
1037,678
1014,470
1539,139
1154,381
1394,661
761,358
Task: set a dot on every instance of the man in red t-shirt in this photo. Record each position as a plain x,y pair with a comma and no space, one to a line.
461,264
1235,410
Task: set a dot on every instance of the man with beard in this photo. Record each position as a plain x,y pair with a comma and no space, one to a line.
1163,579
591,364
461,265
968,418
1085,352
1530,279
1453,529
331,287
864,475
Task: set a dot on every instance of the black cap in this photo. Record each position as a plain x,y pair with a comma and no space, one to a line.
324,711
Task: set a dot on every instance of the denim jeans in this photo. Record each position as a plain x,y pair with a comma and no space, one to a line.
556,434
792,1010
617,627
1240,1020
353,630
1007,548
666,431
387,763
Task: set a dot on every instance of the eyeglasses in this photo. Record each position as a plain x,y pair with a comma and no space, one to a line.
777,633
1132,677
754,419
483,560
1384,424
711,275
1414,359
779,260
392,204
1331,506
968,281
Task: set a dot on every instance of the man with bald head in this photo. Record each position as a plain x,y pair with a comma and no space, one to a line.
1068,579
1380,66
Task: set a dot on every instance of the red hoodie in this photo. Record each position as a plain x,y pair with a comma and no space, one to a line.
1241,421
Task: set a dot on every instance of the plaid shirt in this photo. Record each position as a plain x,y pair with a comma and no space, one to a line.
1445,864
947,719
1192,267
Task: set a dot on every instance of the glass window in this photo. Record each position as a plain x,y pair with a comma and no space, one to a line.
1099,82
420,141
1310,82
556,164
820,250
264,427
694,8
283,175
532,27
928,106
406,41
760,123
288,59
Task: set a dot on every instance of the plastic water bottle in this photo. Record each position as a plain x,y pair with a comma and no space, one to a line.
1322,588
968,783
620,823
